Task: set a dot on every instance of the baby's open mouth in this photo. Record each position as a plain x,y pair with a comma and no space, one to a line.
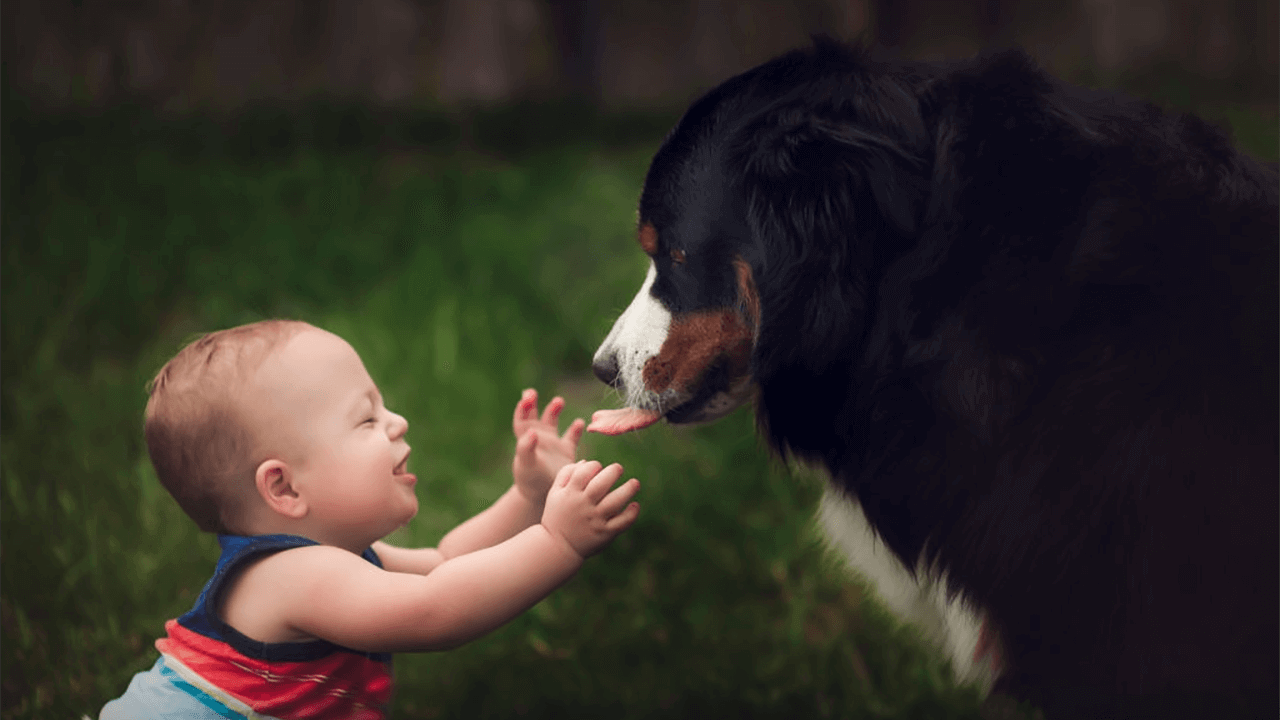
402,467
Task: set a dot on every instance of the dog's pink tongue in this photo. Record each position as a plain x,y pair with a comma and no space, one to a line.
623,420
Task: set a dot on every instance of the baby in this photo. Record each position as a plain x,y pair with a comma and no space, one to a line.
274,436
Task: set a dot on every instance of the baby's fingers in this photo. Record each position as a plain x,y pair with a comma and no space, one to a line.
527,407
614,502
604,479
565,474
623,520
574,434
526,447
576,475
551,416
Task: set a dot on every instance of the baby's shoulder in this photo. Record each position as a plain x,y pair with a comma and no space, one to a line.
260,600
294,568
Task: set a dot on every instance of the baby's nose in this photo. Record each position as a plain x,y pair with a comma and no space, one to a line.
398,426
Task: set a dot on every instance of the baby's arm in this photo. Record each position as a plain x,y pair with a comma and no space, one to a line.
463,598
510,514
540,454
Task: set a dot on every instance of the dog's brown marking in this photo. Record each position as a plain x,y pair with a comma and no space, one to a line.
693,343
677,256
697,340
748,298
989,647
648,239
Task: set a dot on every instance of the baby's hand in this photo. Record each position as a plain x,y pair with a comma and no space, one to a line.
579,510
540,450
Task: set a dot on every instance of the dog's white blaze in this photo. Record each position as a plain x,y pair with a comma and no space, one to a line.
952,627
637,335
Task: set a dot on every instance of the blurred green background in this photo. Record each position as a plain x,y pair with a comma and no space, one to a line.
465,257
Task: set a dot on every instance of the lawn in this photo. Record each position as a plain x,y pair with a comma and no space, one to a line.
462,270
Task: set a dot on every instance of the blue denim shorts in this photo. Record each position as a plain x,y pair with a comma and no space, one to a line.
163,694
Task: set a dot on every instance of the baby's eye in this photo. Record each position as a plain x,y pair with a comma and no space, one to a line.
369,420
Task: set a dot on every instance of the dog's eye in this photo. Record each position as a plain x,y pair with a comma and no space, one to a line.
677,256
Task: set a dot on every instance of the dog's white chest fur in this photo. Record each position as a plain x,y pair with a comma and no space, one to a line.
952,627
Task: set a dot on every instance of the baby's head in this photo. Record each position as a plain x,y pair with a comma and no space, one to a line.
199,431
276,426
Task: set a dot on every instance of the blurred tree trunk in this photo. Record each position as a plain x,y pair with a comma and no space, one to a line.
897,21
993,23
578,29
715,54
474,65
889,22
182,54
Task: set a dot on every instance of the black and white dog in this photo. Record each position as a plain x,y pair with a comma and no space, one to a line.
1031,331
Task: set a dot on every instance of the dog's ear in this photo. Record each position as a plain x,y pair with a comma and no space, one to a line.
891,172
827,199
830,179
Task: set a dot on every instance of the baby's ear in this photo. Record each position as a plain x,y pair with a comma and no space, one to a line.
274,482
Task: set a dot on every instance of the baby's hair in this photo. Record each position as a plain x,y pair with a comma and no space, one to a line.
197,436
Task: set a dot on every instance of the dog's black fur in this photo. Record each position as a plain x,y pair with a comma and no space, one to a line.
1033,328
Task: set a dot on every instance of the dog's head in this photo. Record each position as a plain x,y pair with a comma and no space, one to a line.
760,214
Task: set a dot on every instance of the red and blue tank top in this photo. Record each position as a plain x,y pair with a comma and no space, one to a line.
224,670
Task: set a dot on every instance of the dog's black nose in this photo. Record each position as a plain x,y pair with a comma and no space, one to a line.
606,369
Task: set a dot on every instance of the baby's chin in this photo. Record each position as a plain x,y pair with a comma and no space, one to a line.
405,518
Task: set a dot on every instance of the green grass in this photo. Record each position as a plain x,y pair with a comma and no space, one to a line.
461,278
